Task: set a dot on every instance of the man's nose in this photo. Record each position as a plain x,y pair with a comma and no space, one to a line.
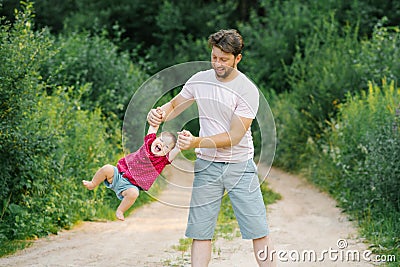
218,62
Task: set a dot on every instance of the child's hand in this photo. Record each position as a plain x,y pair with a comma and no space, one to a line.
161,112
155,116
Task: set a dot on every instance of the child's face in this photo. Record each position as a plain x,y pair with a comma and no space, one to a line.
161,146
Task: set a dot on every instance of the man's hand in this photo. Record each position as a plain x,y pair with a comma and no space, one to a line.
186,140
155,116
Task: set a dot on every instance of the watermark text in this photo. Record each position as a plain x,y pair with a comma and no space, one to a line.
341,253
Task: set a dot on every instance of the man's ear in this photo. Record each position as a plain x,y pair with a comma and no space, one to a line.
238,58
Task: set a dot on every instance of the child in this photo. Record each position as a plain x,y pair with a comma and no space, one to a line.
138,170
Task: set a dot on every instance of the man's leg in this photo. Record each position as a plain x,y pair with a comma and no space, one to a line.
262,251
247,202
205,204
201,253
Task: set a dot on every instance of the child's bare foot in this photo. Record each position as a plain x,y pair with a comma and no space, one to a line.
88,184
120,215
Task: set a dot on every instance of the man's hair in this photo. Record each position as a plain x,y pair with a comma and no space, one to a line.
169,135
229,41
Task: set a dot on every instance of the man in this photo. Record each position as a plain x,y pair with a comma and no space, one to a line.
227,102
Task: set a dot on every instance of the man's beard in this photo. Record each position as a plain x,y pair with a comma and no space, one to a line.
226,70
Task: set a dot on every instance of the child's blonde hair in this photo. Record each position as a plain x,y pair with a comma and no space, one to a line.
170,136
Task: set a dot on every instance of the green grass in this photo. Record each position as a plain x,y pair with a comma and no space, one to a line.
10,247
99,213
379,225
382,232
184,244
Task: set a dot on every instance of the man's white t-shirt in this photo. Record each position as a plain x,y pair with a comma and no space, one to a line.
217,102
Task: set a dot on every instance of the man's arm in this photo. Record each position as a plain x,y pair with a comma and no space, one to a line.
172,109
238,128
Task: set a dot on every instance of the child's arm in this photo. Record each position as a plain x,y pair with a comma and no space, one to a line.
173,153
154,129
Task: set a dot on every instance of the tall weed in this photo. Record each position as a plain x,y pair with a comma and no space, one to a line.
362,148
379,55
50,139
80,59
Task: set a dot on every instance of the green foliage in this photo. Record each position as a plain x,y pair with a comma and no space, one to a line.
181,37
379,55
51,135
51,197
368,13
360,163
80,59
270,40
365,147
23,146
10,247
332,65
137,19
184,244
324,74
63,98
341,138
291,133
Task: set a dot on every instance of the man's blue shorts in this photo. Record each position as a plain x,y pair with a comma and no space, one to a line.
240,181
119,184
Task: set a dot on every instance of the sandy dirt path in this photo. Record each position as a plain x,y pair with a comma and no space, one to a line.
305,219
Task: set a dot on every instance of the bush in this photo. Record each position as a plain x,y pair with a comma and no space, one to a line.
291,138
379,55
334,64
365,145
24,149
319,79
52,197
80,59
360,162
50,139
271,40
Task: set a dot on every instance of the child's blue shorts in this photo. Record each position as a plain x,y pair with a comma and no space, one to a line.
119,184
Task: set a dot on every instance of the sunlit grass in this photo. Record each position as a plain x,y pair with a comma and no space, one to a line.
184,244
10,247
381,232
